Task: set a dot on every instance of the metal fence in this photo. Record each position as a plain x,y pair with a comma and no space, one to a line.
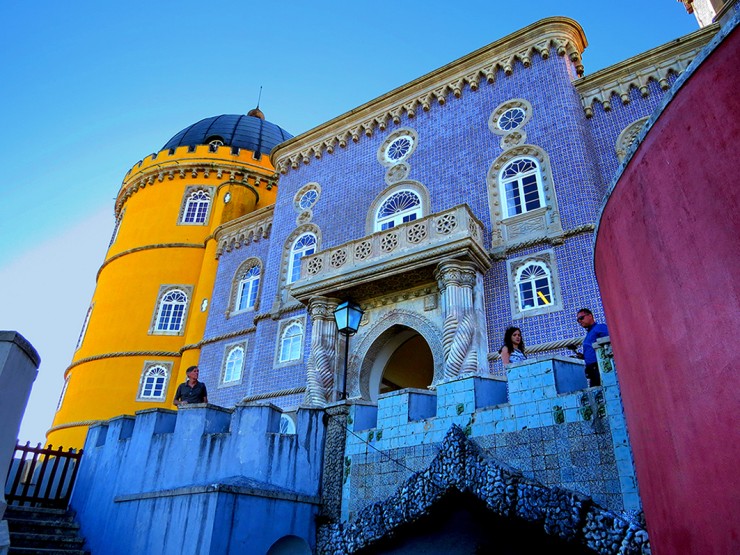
41,477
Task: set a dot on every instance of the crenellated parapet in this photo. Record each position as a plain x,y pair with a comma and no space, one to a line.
559,35
193,163
210,463
656,65
543,421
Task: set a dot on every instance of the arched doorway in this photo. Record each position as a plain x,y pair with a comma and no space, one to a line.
290,545
403,360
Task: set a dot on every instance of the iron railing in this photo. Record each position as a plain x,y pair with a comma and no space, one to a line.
45,479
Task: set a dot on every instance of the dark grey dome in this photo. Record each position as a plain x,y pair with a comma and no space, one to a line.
250,132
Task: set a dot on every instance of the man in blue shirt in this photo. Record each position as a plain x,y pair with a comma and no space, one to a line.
593,331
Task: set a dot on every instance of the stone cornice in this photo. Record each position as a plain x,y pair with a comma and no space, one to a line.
561,33
242,231
169,169
656,64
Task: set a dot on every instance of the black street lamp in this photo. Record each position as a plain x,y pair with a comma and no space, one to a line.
347,317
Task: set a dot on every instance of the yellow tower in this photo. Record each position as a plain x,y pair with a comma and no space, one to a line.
148,313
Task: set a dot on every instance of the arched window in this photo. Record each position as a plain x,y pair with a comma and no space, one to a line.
534,286
64,391
521,186
196,207
154,382
234,365
303,246
249,283
401,207
287,424
171,312
290,342
83,331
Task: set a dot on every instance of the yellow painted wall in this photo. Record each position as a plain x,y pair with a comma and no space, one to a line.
153,249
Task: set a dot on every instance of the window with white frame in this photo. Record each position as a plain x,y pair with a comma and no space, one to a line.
234,365
154,383
116,227
171,311
196,207
83,331
303,246
521,186
249,283
291,342
64,391
534,286
401,207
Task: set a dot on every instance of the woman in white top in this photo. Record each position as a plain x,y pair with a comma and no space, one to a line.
513,347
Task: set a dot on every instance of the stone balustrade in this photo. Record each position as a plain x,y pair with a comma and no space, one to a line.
423,243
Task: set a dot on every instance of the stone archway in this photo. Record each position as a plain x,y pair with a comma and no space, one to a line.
383,348
403,360
290,545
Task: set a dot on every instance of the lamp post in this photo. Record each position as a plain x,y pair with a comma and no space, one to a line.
347,316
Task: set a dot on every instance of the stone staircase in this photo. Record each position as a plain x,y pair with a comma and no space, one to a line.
40,531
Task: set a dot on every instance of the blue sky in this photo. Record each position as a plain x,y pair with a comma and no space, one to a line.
90,88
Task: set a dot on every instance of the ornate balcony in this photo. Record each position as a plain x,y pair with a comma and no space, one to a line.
394,259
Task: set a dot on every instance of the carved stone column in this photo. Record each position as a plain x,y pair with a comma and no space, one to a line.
321,360
464,322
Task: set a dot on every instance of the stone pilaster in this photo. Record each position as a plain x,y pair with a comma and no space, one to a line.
332,478
464,350
322,359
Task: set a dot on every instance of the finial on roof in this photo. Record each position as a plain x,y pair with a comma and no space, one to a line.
256,112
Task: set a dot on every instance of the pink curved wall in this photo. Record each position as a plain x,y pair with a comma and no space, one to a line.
668,265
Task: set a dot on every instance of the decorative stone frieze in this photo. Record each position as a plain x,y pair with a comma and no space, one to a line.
457,280
636,72
243,231
461,465
559,34
320,379
411,250
628,136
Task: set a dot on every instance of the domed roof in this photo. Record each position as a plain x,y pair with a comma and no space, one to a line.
250,132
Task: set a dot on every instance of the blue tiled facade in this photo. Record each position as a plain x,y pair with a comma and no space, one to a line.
455,150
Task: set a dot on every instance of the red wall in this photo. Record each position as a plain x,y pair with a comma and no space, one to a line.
668,265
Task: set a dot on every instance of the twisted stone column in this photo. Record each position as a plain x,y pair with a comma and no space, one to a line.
320,380
457,280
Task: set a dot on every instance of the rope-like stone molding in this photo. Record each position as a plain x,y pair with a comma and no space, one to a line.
122,354
279,393
656,64
543,347
149,247
218,338
562,34
73,425
157,173
545,240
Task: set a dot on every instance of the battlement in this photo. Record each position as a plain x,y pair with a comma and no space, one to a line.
544,420
204,465
205,443
201,154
